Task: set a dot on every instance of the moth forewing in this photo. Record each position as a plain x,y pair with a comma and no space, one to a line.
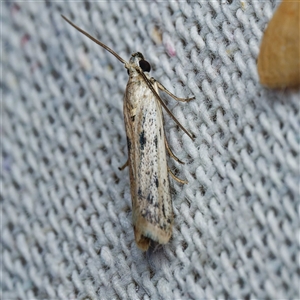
149,182
151,200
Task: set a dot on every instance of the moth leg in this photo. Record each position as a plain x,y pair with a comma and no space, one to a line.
171,153
125,165
176,178
162,88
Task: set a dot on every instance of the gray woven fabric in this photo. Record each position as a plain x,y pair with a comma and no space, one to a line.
66,224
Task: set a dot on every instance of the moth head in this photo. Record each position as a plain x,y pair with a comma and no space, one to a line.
138,59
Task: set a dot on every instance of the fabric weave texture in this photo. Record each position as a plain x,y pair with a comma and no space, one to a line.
66,211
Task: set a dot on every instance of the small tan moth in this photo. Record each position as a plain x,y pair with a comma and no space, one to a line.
149,184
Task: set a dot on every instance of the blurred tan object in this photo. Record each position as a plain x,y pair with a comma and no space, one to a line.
279,58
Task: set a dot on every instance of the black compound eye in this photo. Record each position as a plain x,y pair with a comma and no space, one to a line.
145,66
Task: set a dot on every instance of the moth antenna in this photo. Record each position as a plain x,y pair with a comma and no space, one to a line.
95,40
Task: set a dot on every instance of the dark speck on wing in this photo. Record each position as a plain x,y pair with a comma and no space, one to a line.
163,209
139,192
150,198
155,141
163,226
142,140
128,143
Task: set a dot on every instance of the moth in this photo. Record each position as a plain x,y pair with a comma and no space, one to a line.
152,210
